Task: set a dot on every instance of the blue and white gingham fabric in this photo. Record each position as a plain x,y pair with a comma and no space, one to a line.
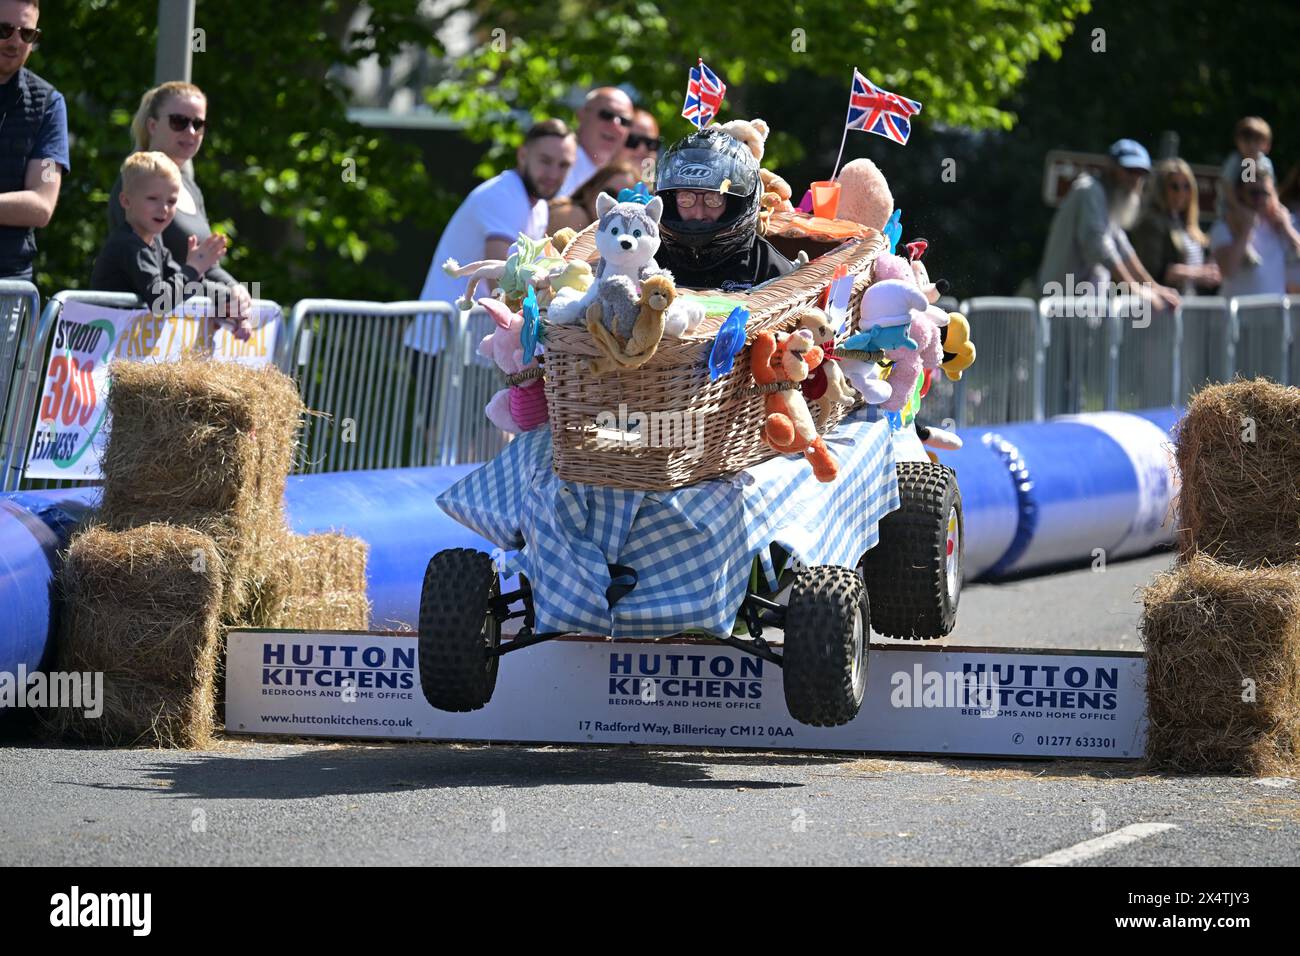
692,549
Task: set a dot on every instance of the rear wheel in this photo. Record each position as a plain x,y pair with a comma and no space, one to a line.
914,573
458,630
825,659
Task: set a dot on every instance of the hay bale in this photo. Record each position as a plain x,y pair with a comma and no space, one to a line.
207,445
143,607
317,582
1209,628
1240,499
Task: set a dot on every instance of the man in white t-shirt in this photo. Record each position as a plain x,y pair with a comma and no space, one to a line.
603,123
492,217
1258,221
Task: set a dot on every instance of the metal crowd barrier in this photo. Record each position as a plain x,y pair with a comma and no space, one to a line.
20,309
395,384
401,384
1006,384
1259,337
1203,354
28,385
1093,354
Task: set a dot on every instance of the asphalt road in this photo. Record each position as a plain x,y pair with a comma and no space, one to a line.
304,803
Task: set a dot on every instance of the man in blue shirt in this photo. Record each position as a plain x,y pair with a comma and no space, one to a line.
33,141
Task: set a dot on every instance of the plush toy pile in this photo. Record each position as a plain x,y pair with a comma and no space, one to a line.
885,354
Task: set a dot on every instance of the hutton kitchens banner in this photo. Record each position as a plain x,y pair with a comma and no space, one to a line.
71,426
959,701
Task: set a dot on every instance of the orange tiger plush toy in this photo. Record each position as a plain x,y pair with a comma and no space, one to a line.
778,366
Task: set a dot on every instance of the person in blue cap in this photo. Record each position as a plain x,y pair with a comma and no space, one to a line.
1087,246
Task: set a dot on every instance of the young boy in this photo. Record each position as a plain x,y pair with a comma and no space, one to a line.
134,259
1253,138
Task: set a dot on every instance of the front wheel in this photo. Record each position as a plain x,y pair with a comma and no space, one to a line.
458,631
825,662
915,571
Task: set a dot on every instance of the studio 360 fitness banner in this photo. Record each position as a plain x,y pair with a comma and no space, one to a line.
71,418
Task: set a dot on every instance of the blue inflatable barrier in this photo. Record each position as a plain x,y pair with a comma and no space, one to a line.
393,510
32,530
1077,487
1034,495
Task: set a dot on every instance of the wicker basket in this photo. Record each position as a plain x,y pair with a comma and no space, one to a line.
692,428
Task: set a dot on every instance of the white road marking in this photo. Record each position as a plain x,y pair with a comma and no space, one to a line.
1094,847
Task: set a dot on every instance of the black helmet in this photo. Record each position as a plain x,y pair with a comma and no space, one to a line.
707,160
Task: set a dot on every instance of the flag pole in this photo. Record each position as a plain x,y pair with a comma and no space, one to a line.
845,135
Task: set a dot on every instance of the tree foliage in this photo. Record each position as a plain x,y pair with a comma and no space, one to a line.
961,58
299,188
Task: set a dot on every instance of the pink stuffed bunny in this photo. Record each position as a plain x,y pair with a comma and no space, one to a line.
521,406
908,363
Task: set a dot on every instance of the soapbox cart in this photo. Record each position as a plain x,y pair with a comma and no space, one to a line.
616,538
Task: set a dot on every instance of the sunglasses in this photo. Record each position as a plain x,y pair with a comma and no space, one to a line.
637,140
712,200
26,34
179,122
609,116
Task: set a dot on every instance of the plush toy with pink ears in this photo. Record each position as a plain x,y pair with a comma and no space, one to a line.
521,405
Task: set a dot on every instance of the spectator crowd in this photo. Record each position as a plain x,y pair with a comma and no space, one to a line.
1140,225
1134,223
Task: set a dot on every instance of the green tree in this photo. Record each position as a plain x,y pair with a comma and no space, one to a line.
961,58
299,188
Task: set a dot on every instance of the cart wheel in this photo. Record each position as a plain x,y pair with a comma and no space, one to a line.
914,573
825,661
458,629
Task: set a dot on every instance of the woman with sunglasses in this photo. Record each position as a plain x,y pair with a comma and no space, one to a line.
579,210
172,119
642,146
1168,237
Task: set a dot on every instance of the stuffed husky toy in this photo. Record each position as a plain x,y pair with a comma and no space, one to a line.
627,238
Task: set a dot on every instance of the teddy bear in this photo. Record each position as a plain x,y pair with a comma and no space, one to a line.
776,191
779,363
825,386
560,241
864,194
521,405
657,294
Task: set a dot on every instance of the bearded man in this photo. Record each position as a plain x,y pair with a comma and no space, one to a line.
1087,245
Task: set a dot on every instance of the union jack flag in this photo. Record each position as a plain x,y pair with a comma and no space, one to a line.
880,111
704,96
